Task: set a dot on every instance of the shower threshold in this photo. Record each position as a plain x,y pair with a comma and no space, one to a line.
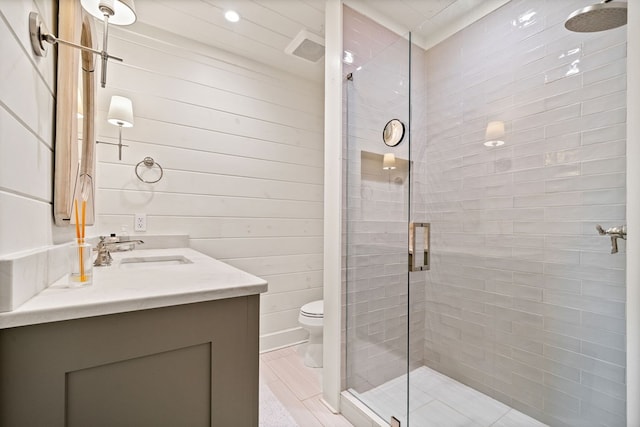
438,400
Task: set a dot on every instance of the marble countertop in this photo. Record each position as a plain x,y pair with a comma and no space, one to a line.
117,289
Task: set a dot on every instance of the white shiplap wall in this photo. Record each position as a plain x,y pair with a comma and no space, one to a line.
27,105
241,145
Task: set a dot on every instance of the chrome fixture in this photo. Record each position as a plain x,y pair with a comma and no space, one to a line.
104,256
118,12
149,163
598,17
615,233
121,115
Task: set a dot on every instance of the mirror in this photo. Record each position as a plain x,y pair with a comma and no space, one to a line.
393,132
75,135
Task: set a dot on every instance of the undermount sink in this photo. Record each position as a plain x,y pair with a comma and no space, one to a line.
154,261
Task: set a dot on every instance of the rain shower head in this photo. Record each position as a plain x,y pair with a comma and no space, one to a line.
598,17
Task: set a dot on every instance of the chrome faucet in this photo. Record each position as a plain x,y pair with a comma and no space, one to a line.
615,233
103,248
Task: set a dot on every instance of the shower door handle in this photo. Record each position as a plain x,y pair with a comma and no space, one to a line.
419,257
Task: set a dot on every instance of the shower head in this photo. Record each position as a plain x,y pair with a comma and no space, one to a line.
598,17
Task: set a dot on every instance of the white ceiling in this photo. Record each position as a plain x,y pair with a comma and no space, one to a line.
266,27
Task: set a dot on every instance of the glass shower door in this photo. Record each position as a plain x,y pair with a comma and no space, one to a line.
377,201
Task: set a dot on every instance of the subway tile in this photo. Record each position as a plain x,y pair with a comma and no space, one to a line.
596,367
604,260
605,103
590,396
605,87
605,134
596,336
586,303
606,71
603,290
604,197
601,416
605,353
604,385
543,364
580,213
529,392
596,182
548,311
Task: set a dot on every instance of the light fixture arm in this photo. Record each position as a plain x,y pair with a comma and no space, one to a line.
105,36
50,38
119,144
39,34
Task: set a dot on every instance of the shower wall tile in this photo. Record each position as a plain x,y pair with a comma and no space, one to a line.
524,300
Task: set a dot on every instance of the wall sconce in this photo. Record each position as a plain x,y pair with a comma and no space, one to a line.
389,161
121,115
118,12
494,136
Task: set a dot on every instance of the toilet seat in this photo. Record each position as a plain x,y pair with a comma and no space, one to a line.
314,309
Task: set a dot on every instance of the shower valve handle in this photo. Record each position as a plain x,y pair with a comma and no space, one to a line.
615,233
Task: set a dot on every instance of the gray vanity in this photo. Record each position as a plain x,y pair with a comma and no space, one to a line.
151,344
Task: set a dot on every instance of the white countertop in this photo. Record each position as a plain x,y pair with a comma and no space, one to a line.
118,290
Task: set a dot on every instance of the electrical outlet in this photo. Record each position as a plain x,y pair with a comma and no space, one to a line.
140,222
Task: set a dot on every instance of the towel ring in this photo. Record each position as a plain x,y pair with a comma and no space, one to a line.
149,163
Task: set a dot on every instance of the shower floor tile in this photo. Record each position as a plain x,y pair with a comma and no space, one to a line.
439,401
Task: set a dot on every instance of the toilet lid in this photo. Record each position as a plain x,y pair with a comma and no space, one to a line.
313,309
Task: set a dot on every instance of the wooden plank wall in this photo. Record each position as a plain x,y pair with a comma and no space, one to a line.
241,145
27,108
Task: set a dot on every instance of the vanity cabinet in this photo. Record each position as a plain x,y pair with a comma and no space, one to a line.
184,365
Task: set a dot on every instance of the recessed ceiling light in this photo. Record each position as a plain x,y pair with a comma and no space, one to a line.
231,16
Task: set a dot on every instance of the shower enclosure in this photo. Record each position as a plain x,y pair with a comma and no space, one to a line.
513,153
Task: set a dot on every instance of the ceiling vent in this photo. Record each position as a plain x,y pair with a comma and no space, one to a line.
307,46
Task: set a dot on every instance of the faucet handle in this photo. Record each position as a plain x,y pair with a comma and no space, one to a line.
615,233
104,257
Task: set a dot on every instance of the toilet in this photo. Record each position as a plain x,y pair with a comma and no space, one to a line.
311,317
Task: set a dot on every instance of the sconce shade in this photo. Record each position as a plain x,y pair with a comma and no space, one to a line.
495,130
389,161
124,11
494,134
120,112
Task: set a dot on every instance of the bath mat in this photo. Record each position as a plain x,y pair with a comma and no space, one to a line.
272,413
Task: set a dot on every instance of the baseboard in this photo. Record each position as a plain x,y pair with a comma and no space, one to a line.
280,339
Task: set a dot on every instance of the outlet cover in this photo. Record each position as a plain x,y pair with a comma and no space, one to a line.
140,222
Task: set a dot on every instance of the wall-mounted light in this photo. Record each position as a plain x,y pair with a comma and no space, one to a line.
121,115
494,136
118,12
389,161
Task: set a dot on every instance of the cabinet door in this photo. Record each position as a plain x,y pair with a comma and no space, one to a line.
189,365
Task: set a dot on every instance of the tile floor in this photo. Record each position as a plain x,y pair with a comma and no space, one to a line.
439,401
297,389
294,391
